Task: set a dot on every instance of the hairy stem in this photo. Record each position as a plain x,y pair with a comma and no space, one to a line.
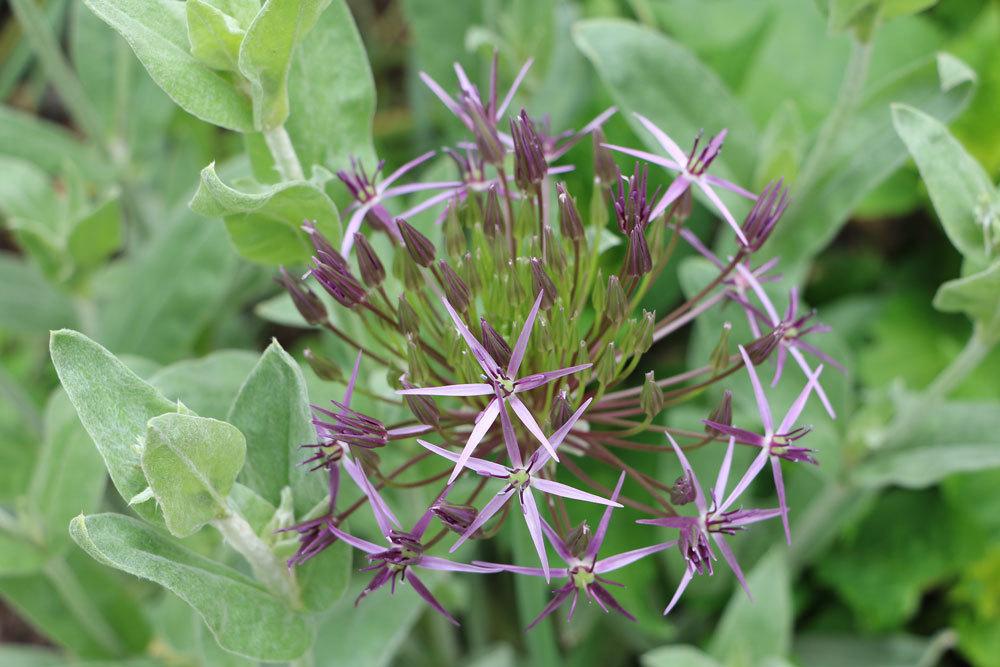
265,565
285,158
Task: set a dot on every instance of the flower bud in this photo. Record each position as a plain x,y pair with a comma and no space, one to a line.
760,349
494,343
540,282
306,302
719,360
332,272
370,266
555,256
457,518
638,261
420,247
599,295
408,319
569,217
493,225
766,211
578,539
322,366
560,412
454,236
617,304
407,271
682,207
530,166
369,460
651,397
467,270
683,491
416,362
605,169
484,129
722,414
455,289
644,332
422,407
606,369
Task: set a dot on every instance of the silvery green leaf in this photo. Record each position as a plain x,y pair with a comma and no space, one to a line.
207,385
214,35
157,32
267,51
28,302
96,234
243,617
19,555
114,405
978,296
191,463
678,656
957,184
272,411
265,222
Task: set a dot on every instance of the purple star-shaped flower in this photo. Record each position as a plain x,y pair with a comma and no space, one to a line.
369,194
499,383
775,444
792,329
712,523
521,478
691,168
584,571
405,552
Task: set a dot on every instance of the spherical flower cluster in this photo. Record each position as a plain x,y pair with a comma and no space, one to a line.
508,346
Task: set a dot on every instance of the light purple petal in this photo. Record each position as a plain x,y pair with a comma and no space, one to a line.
528,571
524,414
542,456
423,592
676,189
529,382
728,185
679,522
391,178
509,439
517,355
800,402
566,491
720,482
480,466
758,289
819,354
748,477
508,98
486,419
491,508
685,580
410,188
779,367
383,515
779,486
408,431
354,225
727,553
668,144
353,379
584,131
758,391
435,563
534,522
557,542
804,365
420,527
721,207
751,516
471,389
431,201
602,528
356,542
487,362
445,98
645,155
696,243
619,561
699,494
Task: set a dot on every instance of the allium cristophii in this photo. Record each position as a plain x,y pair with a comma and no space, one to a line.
511,307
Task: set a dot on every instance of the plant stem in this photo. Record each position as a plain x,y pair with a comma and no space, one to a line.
283,152
39,34
265,565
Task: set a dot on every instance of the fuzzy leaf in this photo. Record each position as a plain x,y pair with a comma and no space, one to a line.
214,35
272,411
207,385
157,32
266,55
28,303
243,617
978,296
95,235
678,656
191,463
114,405
265,224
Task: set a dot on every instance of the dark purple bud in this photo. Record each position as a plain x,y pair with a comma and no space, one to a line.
651,397
616,303
633,206
484,128
698,163
454,287
422,407
530,166
358,182
457,518
560,412
306,302
493,224
372,271
494,343
682,492
540,282
320,244
760,349
333,273
408,319
569,217
760,222
605,169
638,261
349,426
578,539
370,461
722,414
419,246
322,366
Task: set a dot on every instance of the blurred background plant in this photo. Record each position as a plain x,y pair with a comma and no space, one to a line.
880,114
